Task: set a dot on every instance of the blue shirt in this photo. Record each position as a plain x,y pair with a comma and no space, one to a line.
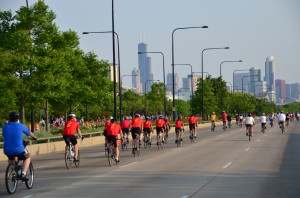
12,133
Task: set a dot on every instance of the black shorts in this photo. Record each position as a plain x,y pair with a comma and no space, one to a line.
135,131
22,156
178,130
113,140
125,130
70,138
192,126
248,125
147,130
158,130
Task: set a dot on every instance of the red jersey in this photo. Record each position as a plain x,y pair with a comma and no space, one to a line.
167,123
147,124
70,127
125,124
178,123
192,120
160,123
107,125
224,116
114,129
137,122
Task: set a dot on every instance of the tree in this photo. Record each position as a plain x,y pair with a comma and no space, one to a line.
155,99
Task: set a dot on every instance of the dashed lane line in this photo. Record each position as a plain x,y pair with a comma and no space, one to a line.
128,165
227,165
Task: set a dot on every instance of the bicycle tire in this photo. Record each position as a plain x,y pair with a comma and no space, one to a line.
30,174
110,156
11,181
178,142
78,160
68,159
145,142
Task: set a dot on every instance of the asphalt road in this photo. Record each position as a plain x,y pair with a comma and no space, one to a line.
219,164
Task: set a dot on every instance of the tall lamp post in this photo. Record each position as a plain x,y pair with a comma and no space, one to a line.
121,95
215,48
146,93
114,67
173,75
233,75
192,84
239,61
164,76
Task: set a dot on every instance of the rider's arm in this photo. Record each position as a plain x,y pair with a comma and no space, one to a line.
79,133
32,136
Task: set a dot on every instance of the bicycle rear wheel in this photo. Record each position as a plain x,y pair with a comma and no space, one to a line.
77,162
30,174
110,156
68,159
11,181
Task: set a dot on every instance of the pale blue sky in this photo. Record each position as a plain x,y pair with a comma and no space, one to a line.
253,29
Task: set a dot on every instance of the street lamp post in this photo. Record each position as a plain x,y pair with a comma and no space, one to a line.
121,95
114,68
173,76
228,62
233,75
146,93
203,72
164,76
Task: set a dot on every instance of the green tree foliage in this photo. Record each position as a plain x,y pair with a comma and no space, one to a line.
132,103
155,99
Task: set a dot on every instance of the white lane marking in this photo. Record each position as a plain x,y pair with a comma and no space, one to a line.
40,167
128,165
185,196
177,148
228,164
258,140
28,196
247,149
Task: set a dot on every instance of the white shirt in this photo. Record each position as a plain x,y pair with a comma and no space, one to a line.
263,119
281,117
249,120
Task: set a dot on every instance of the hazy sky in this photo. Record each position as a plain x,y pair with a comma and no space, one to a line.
253,29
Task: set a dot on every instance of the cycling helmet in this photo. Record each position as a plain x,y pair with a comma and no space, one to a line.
179,117
192,114
147,118
161,117
213,113
263,114
137,115
165,118
13,116
72,115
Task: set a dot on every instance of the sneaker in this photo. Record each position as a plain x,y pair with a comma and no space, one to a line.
24,177
175,141
132,151
246,134
117,160
181,139
191,137
195,137
163,141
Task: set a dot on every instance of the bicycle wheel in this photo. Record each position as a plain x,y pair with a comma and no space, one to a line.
77,162
145,141
110,156
68,159
11,181
30,175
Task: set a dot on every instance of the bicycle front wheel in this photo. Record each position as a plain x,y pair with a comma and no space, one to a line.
68,159
11,180
30,175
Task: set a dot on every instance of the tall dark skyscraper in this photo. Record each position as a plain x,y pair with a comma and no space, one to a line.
145,67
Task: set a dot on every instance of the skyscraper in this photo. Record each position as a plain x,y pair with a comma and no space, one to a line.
254,79
136,80
170,82
238,81
144,67
280,91
270,73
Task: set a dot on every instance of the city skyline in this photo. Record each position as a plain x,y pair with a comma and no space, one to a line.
252,29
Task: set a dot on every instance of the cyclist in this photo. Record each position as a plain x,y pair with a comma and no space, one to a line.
263,121
281,119
160,126
137,126
69,133
287,119
237,119
213,119
148,129
271,118
125,125
241,119
167,126
229,120
193,123
12,133
249,122
224,118
113,130
179,127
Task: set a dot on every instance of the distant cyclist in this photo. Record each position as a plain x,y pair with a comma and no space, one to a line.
193,123
249,122
224,119
281,119
160,126
125,125
179,127
69,133
287,119
12,133
137,126
167,126
213,119
113,131
229,120
263,121
148,129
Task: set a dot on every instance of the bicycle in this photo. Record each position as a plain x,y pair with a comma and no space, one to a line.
224,125
125,143
178,140
136,145
69,155
281,125
192,135
166,134
111,153
263,127
213,126
160,142
229,124
147,140
249,131
13,175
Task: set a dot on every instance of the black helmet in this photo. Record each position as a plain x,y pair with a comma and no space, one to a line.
13,116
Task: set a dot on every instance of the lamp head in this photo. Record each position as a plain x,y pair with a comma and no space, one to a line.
226,48
85,32
205,26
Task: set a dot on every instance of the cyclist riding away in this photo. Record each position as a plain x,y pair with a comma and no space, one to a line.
125,125
167,126
281,119
224,118
69,133
160,125
229,120
137,126
179,127
113,130
213,119
12,133
193,123
148,129
287,119
263,121
249,122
